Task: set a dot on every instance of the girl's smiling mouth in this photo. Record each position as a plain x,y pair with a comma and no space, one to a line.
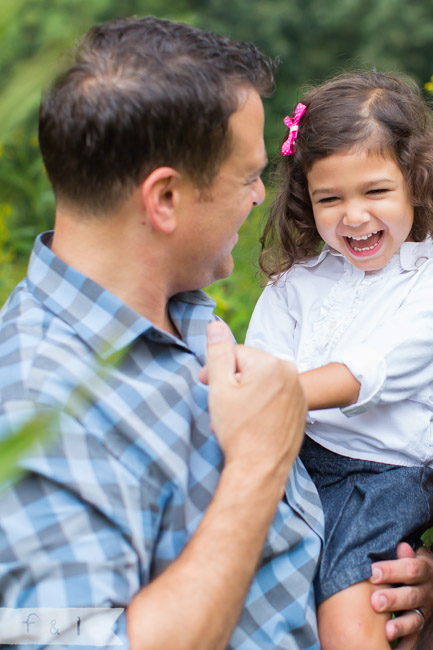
364,245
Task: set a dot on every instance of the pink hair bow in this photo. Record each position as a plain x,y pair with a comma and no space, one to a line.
288,147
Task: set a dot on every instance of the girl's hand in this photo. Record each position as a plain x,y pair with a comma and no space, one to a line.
415,571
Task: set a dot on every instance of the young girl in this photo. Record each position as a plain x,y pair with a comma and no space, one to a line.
357,319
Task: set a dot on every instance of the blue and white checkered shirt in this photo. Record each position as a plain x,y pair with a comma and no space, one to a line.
113,500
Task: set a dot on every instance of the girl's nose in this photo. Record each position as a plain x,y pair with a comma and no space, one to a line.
355,215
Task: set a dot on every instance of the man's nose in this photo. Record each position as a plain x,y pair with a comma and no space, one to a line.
259,192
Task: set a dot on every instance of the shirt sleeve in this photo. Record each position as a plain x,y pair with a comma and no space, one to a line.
395,362
75,532
272,326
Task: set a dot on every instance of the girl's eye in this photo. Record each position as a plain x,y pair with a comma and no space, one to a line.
328,199
378,191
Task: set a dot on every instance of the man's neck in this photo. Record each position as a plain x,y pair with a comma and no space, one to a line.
113,258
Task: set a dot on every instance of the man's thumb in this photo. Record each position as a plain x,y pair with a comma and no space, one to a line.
221,361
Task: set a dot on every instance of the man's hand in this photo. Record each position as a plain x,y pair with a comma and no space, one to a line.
256,404
415,572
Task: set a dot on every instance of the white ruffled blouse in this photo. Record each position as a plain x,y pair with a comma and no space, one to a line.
380,325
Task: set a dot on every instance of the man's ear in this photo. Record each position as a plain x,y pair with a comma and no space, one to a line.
160,194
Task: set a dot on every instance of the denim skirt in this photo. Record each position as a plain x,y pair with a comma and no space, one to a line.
369,507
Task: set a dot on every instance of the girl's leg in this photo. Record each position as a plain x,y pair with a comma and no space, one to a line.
348,622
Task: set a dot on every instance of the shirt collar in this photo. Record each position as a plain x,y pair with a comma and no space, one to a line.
412,255
99,317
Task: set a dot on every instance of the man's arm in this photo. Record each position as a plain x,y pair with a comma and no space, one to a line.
258,412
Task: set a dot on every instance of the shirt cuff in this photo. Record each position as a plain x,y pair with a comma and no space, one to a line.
369,368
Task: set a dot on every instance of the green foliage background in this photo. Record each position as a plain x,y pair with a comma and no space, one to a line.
312,38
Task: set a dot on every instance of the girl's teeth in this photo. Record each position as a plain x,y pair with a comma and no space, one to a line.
365,236
366,248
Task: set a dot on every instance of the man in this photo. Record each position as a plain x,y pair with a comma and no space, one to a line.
153,142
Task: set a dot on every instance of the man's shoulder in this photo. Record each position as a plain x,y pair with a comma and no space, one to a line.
33,341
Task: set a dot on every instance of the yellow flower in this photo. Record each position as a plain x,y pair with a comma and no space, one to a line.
429,86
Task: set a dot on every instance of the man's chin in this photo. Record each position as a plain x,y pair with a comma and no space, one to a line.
226,269
221,272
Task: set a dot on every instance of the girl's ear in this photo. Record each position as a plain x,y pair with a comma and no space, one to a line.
160,194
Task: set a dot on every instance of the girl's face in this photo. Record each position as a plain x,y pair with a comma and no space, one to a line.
361,206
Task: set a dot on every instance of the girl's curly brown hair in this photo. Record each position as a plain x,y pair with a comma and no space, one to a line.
381,112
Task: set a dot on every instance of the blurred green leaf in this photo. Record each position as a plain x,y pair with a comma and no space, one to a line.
427,538
39,430
9,10
21,95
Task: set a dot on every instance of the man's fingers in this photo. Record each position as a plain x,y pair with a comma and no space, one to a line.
407,570
412,577
397,600
405,550
407,626
203,375
221,359
407,643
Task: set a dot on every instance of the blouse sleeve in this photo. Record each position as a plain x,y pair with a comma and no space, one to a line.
395,362
272,326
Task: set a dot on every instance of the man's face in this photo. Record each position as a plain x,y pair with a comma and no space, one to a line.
210,221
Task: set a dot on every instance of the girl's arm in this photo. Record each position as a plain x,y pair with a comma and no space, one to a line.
392,363
331,386
272,328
